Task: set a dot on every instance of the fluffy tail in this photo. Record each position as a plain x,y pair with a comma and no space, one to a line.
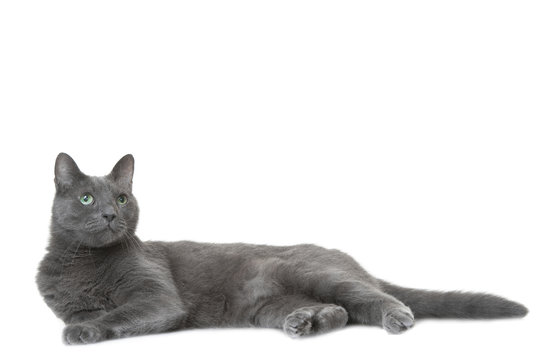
455,304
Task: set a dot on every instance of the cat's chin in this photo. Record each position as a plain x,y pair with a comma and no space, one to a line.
105,238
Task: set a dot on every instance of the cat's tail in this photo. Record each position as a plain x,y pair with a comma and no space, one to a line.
454,304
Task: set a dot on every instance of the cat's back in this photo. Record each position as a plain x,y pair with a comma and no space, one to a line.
191,252
213,263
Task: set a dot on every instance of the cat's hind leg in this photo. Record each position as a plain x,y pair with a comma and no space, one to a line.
368,305
364,301
299,315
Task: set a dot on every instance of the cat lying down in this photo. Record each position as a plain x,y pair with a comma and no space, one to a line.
105,283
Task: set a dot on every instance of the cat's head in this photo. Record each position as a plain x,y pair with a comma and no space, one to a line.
90,210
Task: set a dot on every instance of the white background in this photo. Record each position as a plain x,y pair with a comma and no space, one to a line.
405,133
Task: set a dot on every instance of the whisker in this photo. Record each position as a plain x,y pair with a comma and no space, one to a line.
93,262
75,254
135,241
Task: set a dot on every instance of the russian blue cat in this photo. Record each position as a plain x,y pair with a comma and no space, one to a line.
105,283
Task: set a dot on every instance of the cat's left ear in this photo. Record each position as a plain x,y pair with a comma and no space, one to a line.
122,172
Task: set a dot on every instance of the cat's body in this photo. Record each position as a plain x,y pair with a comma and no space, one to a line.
105,283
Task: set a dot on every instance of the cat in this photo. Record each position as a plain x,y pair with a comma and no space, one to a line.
105,283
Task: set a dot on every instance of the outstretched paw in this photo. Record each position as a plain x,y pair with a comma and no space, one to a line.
82,334
298,323
398,320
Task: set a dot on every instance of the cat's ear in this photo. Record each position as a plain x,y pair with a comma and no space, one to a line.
122,172
66,171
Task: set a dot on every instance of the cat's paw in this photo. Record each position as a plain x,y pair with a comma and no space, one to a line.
329,318
398,320
298,323
82,334
315,320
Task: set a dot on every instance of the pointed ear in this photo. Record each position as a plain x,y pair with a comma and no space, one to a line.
122,172
66,171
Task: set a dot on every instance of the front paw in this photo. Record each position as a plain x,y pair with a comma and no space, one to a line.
82,334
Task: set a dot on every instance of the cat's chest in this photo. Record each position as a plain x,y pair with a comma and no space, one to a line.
79,287
87,287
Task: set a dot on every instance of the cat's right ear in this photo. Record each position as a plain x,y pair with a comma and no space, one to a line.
66,172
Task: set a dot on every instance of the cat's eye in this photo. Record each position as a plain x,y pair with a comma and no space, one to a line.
122,200
86,199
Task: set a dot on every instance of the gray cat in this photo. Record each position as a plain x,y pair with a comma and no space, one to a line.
105,283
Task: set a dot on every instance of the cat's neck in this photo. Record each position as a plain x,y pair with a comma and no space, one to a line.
66,250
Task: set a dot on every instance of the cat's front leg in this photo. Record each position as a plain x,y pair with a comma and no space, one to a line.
141,316
84,315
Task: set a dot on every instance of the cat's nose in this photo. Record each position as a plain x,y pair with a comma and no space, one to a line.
109,216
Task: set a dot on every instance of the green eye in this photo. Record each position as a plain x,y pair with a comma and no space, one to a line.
86,199
121,200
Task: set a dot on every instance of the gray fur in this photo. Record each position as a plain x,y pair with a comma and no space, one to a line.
105,283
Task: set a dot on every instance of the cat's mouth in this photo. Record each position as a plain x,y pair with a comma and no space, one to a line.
101,230
108,234
110,227
104,234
